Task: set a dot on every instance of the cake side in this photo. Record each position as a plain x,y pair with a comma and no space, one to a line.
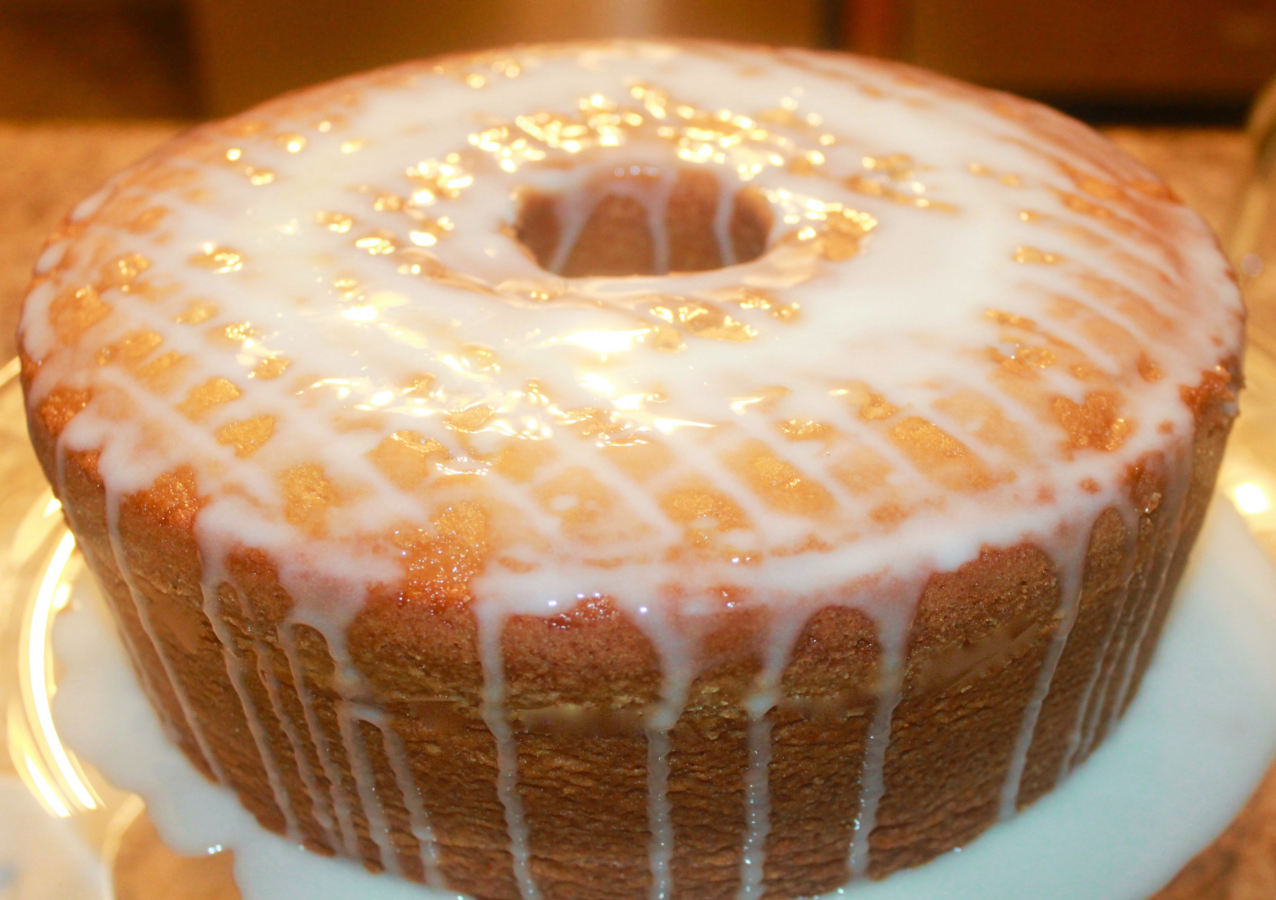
408,747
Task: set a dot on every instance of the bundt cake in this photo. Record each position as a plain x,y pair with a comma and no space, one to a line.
635,469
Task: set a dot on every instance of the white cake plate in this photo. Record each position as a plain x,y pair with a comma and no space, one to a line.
1190,752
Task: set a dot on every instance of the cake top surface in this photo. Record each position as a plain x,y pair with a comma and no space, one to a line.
435,316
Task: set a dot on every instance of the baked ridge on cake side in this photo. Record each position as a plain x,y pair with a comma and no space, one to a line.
635,469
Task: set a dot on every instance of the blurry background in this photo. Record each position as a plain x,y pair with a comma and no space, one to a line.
1172,61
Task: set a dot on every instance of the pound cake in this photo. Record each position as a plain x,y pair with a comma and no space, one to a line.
629,470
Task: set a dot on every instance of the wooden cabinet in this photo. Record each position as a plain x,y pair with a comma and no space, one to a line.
248,50
1157,53
1153,51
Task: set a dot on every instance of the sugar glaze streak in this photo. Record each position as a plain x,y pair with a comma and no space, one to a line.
892,637
350,685
318,801
344,814
140,603
235,669
419,816
675,684
778,650
495,713
1070,575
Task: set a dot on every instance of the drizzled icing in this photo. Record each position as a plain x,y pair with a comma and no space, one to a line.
1216,673
1005,293
944,319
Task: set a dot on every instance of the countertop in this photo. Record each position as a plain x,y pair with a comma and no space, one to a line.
46,168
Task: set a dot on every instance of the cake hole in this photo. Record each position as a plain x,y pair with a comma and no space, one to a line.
637,220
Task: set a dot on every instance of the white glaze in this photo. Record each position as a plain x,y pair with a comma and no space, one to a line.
331,773
905,316
349,715
496,715
419,816
891,262
1070,575
1083,730
1194,745
143,615
319,804
756,779
212,578
677,673
894,642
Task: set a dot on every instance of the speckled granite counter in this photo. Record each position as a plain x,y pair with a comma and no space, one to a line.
44,170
